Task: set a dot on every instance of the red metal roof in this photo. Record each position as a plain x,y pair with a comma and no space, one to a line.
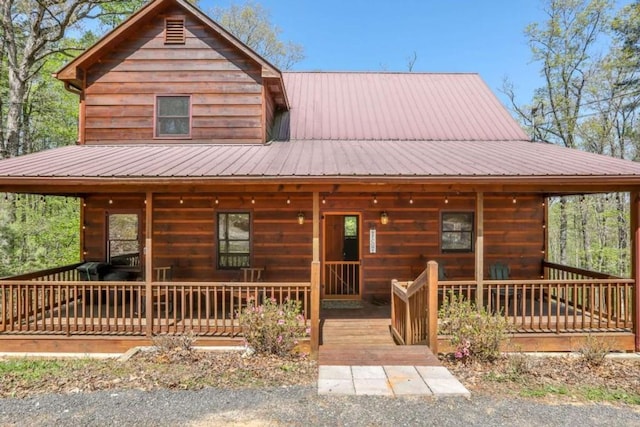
320,158
396,106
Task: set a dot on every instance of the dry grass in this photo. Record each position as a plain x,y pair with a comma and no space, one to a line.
561,379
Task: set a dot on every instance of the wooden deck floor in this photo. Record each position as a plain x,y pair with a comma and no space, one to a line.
361,336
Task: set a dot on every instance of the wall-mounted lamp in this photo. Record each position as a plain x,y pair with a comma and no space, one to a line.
410,199
375,199
324,201
288,200
181,201
384,218
110,201
446,200
253,200
300,218
217,201
514,200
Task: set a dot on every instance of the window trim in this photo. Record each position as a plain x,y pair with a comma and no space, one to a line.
471,249
156,116
217,238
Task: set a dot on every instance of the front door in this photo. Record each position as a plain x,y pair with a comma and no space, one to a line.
341,257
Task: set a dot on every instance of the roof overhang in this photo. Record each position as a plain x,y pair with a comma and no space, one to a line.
325,166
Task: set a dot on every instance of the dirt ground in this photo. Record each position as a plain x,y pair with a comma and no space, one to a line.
562,379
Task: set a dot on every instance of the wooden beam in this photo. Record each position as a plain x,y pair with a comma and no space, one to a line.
545,230
635,262
315,278
148,259
432,307
479,247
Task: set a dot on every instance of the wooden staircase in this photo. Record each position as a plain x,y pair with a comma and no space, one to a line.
362,336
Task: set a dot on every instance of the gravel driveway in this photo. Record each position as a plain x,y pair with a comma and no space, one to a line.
296,406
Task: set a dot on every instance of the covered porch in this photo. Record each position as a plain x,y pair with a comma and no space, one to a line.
550,306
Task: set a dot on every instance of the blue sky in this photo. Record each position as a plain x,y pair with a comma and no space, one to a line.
482,36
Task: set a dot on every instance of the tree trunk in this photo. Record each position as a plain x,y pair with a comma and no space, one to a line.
562,244
17,97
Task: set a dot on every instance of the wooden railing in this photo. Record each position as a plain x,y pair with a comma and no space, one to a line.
128,260
583,305
341,278
414,317
571,300
118,308
67,273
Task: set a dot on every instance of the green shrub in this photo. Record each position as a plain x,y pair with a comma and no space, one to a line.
272,328
475,333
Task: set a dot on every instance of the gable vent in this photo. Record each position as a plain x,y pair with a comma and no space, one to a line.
174,31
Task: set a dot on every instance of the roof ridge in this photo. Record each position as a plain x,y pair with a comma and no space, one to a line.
472,73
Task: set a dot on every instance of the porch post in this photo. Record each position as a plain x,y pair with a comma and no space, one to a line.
634,199
315,278
148,271
479,249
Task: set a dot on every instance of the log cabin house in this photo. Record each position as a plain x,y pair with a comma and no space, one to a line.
207,177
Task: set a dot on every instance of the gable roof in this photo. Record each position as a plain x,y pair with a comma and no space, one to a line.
396,106
73,71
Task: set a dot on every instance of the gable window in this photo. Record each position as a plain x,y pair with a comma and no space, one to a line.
234,240
174,30
173,116
456,232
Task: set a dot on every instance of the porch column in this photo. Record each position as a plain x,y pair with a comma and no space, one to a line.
315,278
148,270
634,199
479,249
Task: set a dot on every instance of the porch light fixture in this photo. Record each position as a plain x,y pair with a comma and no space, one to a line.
300,218
324,201
288,200
514,199
375,199
216,201
384,218
181,201
446,200
410,199
110,201
253,200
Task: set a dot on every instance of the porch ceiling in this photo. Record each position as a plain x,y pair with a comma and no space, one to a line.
388,165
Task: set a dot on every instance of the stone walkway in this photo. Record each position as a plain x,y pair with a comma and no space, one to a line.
434,381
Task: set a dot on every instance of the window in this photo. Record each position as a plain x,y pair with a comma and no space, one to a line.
123,244
173,116
351,227
457,232
234,240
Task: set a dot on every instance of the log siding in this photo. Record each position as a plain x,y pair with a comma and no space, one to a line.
225,85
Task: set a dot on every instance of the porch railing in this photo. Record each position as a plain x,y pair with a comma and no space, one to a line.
571,300
33,306
414,309
341,278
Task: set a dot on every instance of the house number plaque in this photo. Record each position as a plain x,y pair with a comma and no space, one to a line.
372,241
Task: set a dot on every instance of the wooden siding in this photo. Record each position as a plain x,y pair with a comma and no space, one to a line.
225,85
184,235
95,226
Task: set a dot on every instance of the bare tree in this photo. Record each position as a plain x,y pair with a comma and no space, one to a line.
32,30
251,24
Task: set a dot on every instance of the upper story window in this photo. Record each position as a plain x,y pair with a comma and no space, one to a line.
457,232
174,30
173,116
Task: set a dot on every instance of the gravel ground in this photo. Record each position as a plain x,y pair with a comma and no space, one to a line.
296,406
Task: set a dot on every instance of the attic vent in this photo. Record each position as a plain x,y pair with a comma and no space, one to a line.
174,31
